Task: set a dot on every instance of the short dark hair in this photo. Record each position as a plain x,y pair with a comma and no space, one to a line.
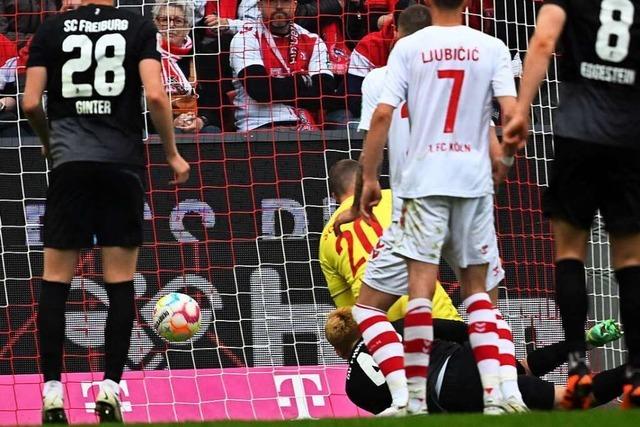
342,176
414,18
400,6
447,4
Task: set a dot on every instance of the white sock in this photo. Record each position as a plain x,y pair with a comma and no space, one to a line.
111,386
53,388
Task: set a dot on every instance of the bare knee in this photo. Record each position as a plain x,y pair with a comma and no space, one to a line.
60,264
473,279
570,241
422,279
375,298
625,250
119,264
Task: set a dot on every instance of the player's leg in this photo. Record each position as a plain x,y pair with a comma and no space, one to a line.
425,226
67,227
119,233
483,334
571,209
506,347
59,266
384,281
626,262
471,247
620,207
418,330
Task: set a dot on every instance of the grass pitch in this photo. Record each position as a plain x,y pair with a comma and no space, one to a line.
593,418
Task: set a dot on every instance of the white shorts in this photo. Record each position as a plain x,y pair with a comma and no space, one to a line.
460,229
387,272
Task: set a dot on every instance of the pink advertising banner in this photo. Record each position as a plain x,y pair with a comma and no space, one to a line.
192,395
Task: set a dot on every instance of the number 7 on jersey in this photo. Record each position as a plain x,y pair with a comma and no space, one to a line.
454,99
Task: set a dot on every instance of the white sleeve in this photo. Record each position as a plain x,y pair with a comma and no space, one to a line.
370,95
502,82
244,51
397,78
319,63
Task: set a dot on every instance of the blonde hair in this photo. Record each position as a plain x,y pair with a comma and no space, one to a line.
341,329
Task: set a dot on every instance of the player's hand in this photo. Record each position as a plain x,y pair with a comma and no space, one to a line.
499,172
516,131
180,168
371,196
345,217
45,151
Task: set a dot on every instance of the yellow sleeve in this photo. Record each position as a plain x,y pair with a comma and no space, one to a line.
443,307
337,284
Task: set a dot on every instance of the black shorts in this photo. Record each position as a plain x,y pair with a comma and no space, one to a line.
586,177
94,203
461,389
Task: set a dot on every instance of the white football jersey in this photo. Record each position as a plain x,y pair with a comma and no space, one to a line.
448,76
372,87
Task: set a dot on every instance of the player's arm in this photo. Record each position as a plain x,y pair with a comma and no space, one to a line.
395,91
549,27
160,111
337,284
32,104
370,95
371,159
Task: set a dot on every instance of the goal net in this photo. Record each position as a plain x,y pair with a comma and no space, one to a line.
242,237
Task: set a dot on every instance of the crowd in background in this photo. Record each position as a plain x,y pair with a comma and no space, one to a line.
242,65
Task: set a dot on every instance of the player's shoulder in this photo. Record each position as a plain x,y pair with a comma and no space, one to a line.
374,79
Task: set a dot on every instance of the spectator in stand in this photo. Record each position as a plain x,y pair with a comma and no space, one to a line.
371,52
324,17
229,16
19,19
280,71
174,20
12,80
220,21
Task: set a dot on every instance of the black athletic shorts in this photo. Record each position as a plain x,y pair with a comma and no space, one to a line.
461,389
586,177
94,203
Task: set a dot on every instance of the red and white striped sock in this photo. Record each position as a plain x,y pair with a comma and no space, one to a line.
384,345
418,335
507,350
483,337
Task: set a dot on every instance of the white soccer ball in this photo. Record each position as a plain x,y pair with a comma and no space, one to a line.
176,317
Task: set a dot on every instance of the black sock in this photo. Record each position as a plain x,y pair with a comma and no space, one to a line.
51,325
117,332
544,360
607,385
629,284
571,297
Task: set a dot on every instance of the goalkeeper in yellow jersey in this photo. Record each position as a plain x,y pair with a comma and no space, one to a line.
343,258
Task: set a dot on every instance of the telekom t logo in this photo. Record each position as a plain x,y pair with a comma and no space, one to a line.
91,406
299,393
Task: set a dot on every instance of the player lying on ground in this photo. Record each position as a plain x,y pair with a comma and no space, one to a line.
93,62
454,382
447,74
596,165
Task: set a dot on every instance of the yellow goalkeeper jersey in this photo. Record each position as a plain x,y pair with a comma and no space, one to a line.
343,260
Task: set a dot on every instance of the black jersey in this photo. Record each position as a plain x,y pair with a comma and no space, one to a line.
366,386
94,90
599,67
